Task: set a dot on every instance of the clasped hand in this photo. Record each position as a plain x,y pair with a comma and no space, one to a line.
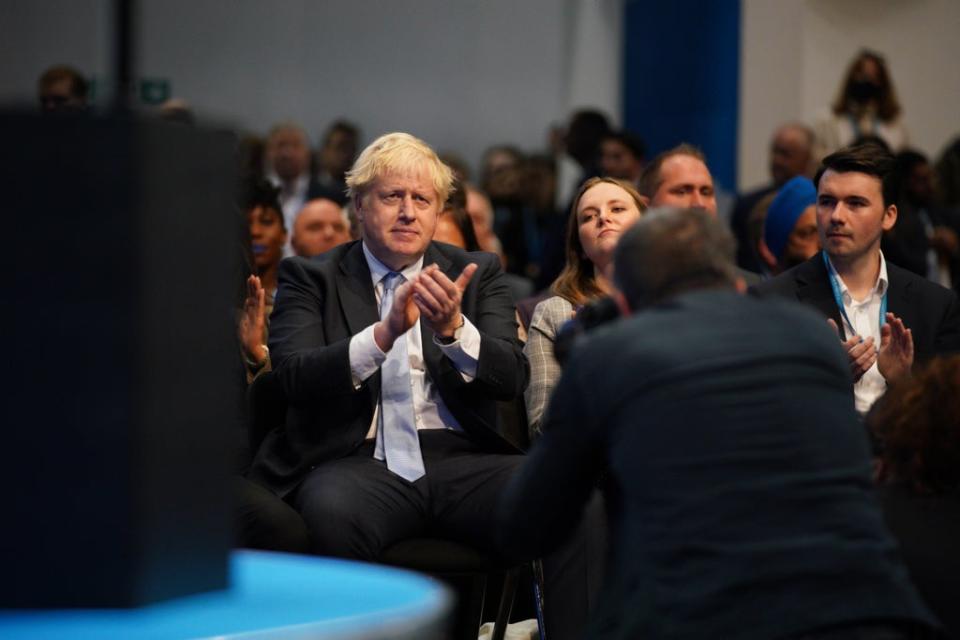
432,296
894,358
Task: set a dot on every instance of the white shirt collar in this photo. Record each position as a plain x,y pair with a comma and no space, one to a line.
300,185
378,270
879,287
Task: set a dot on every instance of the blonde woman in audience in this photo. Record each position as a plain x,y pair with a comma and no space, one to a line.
602,210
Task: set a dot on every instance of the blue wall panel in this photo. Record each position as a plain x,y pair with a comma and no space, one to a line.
681,77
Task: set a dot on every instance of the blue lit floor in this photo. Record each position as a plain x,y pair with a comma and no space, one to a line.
271,596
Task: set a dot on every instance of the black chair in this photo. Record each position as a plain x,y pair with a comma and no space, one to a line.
465,569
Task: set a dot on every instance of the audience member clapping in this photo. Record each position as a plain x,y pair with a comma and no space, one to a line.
268,234
885,316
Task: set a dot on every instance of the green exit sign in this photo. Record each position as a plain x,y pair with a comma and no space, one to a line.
154,90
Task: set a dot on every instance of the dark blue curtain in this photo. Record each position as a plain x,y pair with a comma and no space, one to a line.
682,75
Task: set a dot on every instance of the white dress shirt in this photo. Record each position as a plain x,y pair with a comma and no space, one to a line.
292,198
366,357
865,318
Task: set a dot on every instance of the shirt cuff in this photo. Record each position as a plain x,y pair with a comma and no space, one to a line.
464,352
365,356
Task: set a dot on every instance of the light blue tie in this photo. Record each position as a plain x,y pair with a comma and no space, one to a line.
397,439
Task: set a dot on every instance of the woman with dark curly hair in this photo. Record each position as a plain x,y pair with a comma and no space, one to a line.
916,427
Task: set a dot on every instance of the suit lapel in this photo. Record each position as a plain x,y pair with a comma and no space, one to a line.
898,296
813,288
355,289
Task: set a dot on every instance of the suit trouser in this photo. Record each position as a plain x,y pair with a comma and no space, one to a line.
355,508
264,521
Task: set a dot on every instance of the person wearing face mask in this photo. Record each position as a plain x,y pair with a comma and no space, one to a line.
602,210
866,106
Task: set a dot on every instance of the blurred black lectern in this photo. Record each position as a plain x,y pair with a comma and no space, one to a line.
119,375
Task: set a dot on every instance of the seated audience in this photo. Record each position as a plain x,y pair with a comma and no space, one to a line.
321,225
268,235
755,222
737,475
455,227
287,159
948,177
925,239
885,316
917,425
577,152
621,156
459,166
521,190
602,210
679,177
392,352
481,214
261,519
264,240
341,141
790,226
791,155
62,89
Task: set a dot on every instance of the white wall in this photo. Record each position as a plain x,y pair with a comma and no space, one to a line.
793,56
462,74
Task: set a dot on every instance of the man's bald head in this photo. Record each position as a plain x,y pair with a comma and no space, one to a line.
319,226
791,152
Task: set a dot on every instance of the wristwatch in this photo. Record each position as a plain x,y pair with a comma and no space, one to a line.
456,333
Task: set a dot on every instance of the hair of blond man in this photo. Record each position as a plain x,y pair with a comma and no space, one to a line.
399,154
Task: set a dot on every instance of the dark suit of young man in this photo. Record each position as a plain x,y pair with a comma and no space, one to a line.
930,311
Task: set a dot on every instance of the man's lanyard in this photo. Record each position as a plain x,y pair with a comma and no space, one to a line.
838,297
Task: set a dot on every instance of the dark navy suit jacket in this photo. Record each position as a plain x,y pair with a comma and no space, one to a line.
930,311
321,303
738,476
